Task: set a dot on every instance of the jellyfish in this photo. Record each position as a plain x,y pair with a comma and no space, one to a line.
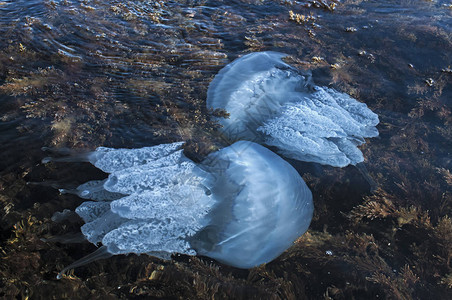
242,205
273,103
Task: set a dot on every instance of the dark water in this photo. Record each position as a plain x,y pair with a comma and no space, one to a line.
81,74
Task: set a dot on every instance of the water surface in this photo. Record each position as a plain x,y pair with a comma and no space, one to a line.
83,74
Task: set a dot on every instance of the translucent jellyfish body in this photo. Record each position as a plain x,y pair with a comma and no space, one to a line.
271,102
243,205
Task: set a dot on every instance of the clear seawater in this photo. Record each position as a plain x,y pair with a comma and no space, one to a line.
82,74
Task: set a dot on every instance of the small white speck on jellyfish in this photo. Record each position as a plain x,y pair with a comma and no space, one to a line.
243,205
273,103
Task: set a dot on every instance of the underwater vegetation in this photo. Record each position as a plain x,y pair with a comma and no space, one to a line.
129,74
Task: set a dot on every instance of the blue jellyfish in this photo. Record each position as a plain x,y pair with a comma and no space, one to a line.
243,205
272,103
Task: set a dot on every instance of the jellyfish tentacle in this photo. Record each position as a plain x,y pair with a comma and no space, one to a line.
65,155
70,238
363,170
100,253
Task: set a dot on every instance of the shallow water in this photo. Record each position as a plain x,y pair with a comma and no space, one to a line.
83,74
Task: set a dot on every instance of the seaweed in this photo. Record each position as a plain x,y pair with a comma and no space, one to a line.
81,74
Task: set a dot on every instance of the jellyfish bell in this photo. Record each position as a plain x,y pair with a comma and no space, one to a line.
243,205
273,103
262,206
249,89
